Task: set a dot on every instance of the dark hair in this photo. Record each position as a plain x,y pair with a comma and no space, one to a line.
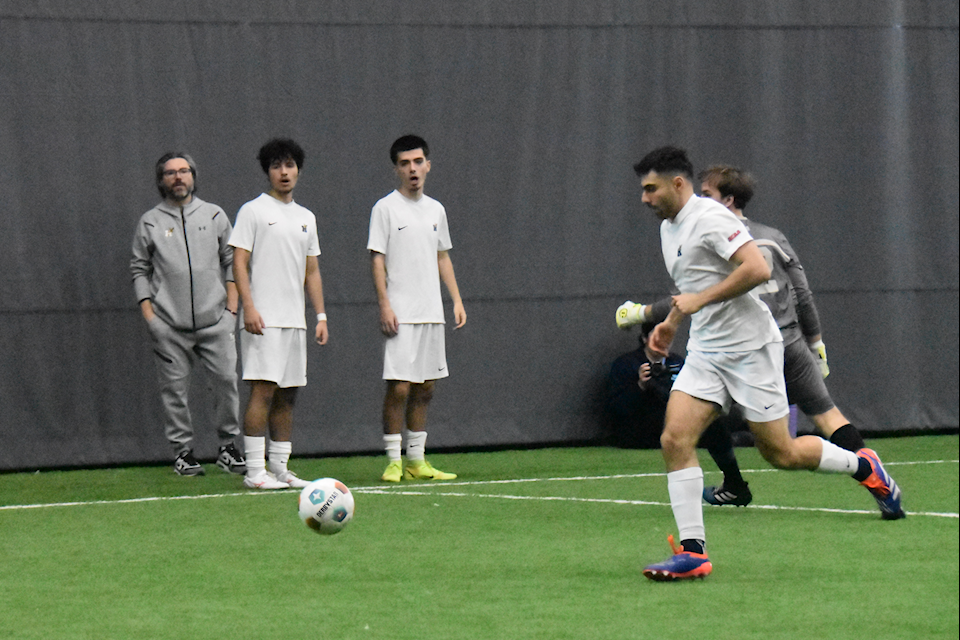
278,150
646,328
408,143
167,157
666,161
730,181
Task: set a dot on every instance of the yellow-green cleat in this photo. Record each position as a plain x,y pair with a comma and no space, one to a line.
393,472
423,470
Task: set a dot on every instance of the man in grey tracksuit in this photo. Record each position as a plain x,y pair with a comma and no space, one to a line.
183,279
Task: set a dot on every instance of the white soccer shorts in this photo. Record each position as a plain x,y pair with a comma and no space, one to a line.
416,354
752,379
279,355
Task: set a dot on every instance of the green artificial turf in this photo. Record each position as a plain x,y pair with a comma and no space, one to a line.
555,552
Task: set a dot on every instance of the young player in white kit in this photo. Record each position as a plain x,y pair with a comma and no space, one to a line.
409,243
735,353
275,258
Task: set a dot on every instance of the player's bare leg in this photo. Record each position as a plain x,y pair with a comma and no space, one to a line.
816,454
395,406
774,443
417,467
281,414
833,425
686,420
418,401
281,432
257,416
256,421
394,412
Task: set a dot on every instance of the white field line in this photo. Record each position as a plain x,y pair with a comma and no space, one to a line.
771,507
438,490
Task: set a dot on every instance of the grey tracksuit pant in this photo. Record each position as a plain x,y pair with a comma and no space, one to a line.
176,352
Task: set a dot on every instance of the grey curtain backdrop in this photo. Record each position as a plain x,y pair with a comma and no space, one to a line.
847,113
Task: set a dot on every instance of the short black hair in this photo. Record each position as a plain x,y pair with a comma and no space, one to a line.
646,328
167,157
666,161
408,143
730,181
278,150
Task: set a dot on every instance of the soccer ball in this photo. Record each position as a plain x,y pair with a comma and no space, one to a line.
326,505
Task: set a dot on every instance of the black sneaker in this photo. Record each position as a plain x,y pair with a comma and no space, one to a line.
231,460
720,496
187,465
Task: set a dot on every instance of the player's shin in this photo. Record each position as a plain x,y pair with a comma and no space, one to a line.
686,488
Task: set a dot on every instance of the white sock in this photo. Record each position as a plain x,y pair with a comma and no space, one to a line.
833,459
392,443
686,491
279,455
254,450
416,443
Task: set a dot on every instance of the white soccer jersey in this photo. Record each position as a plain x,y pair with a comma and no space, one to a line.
410,233
280,237
697,245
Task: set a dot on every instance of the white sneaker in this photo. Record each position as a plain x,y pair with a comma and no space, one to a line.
291,479
264,480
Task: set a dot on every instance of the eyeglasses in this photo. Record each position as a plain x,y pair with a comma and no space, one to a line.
177,172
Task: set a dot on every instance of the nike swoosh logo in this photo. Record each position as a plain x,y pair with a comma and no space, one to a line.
403,227
271,223
441,368
767,407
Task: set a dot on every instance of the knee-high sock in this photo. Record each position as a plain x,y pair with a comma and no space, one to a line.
392,443
255,450
279,456
416,443
686,491
833,459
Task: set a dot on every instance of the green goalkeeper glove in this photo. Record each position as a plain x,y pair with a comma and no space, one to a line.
629,314
819,351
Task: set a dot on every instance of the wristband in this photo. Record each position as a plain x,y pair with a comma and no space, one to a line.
321,317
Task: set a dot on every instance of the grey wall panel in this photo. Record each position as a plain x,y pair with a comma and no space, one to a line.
535,111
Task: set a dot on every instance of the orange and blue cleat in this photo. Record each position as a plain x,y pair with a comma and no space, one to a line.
682,565
881,485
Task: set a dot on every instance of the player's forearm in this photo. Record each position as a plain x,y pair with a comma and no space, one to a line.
447,276
314,285
742,280
751,270
241,277
378,269
232,296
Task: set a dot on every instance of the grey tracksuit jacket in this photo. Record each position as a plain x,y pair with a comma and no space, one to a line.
180,262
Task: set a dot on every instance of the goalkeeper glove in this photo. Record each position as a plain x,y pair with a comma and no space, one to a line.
819,351
629,314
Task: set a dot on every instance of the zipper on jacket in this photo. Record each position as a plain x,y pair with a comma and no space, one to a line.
193,312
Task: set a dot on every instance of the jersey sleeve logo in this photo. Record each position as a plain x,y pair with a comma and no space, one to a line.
735,234
434,227
304,227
